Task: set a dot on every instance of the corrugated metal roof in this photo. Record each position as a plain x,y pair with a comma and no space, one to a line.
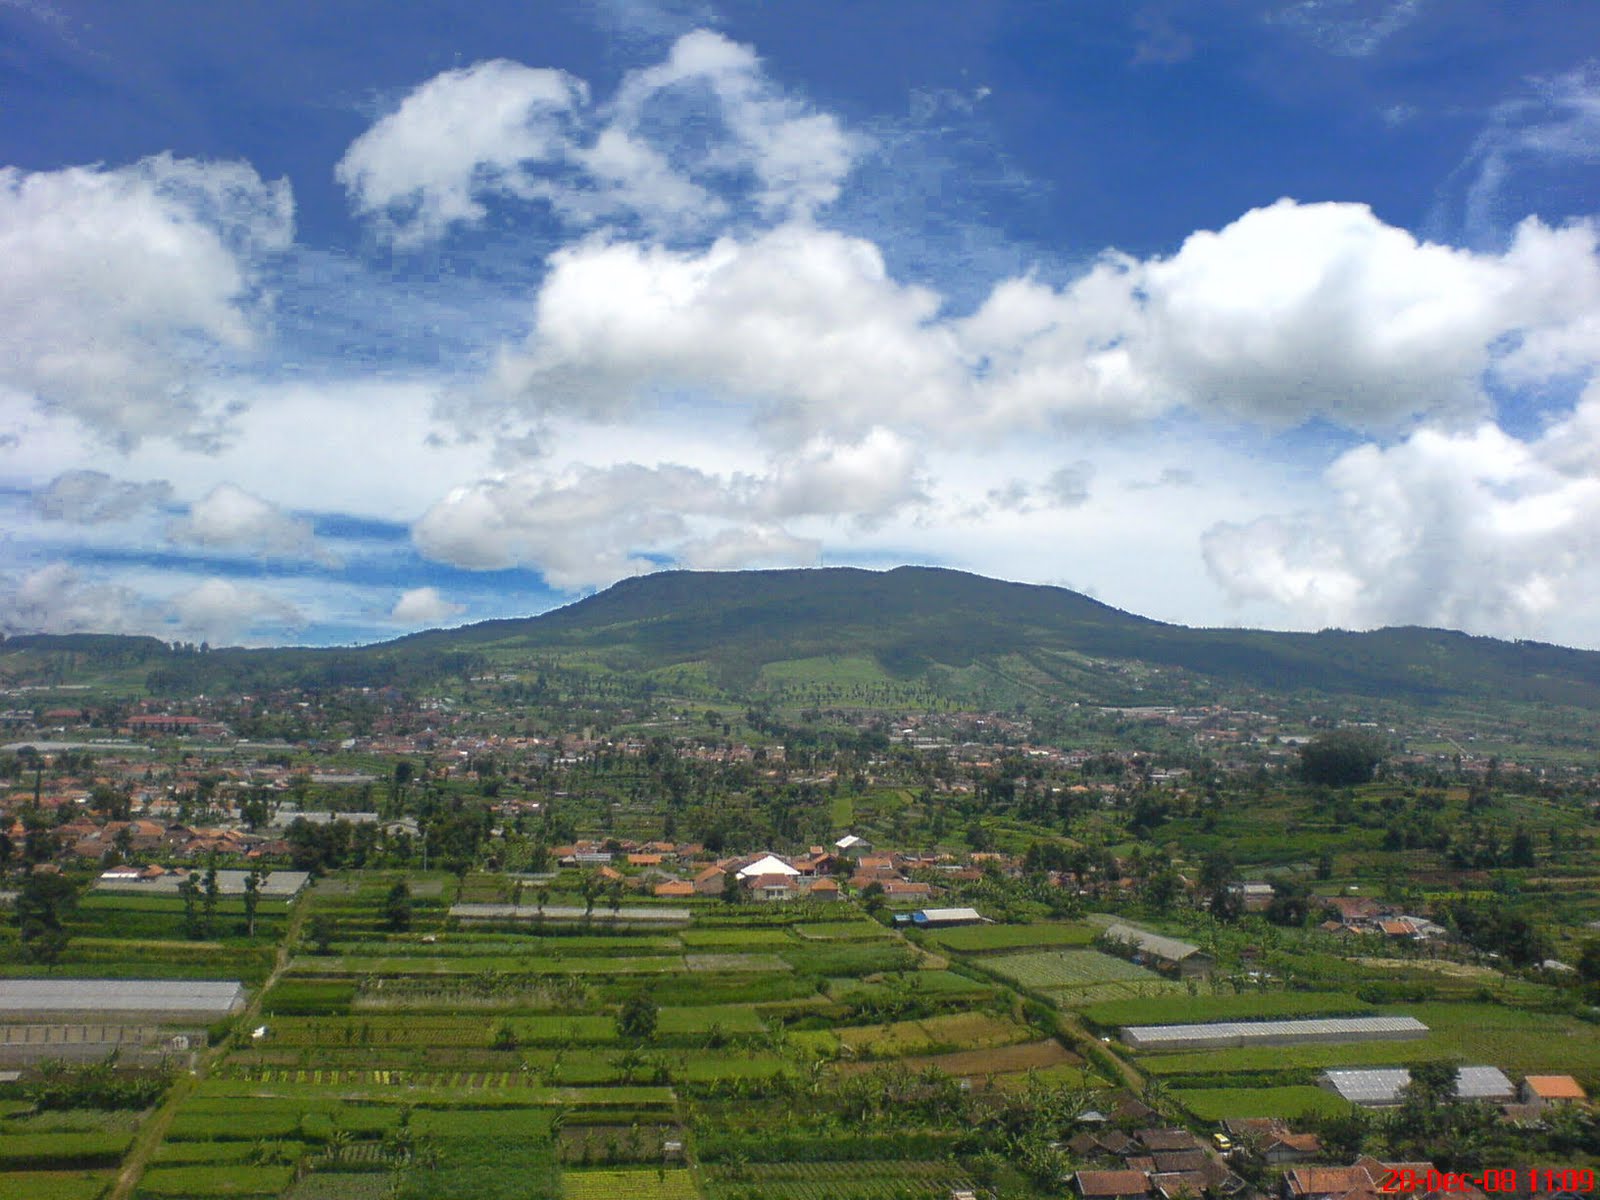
1168,948
119,995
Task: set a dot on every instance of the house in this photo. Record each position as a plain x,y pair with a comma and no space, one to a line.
709,882
772,887
1168,1141
853,846
1111,1185
1281,1148
825,889
768,864
1365,1175
1163,952
1541,1091
675,888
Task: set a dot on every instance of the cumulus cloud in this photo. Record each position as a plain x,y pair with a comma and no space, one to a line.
220,610
1065,487
228,517
1470,529
1292,312
57,599
867,479
674,141
93,498
756,546
802,323
589,526
424,606
461,135
121,284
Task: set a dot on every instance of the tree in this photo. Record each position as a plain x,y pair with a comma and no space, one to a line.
1340,758
213,891
41,906
637,1018
319,932
252,899
397,907
190,891
732,889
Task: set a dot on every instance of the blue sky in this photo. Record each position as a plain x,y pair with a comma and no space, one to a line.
326,322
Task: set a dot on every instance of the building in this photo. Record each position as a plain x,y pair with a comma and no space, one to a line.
1541,1091
944,918
1213,1035
1163,952
201,1001
852,846
1111,1185
1381,1087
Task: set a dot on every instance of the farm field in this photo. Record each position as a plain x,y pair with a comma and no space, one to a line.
975,939
434,1062
1216,1104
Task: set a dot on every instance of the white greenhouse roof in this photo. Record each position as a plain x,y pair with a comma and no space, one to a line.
1382,1085
120,995
1315,1027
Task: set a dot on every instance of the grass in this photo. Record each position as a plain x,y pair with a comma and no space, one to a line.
54,1185
1216,1104
1183,1009
213,1180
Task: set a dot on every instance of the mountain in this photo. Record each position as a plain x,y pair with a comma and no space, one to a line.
899,636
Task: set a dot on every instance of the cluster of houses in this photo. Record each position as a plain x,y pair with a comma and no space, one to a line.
821,873
1166,1163
1351,915
85,840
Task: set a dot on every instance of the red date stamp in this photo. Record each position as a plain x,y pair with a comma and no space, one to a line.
1401,1181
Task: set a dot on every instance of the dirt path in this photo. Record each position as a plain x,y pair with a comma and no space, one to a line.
154,1128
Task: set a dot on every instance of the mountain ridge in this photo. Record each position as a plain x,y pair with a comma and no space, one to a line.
951,632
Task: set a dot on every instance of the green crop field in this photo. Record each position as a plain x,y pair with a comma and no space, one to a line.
835,1181
1067,969
674,1184
1216,1104
1184,1009
979,938
54,1185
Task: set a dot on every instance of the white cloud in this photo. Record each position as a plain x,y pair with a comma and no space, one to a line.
588,526
867,479
424,606
119,285
1555,123
219,611
802,324
747,548
1351,28
461,135
230,518
93,497
1474,530
676,139
57,599
798,158
1292,312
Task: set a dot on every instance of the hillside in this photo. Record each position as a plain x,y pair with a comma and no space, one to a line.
930,630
